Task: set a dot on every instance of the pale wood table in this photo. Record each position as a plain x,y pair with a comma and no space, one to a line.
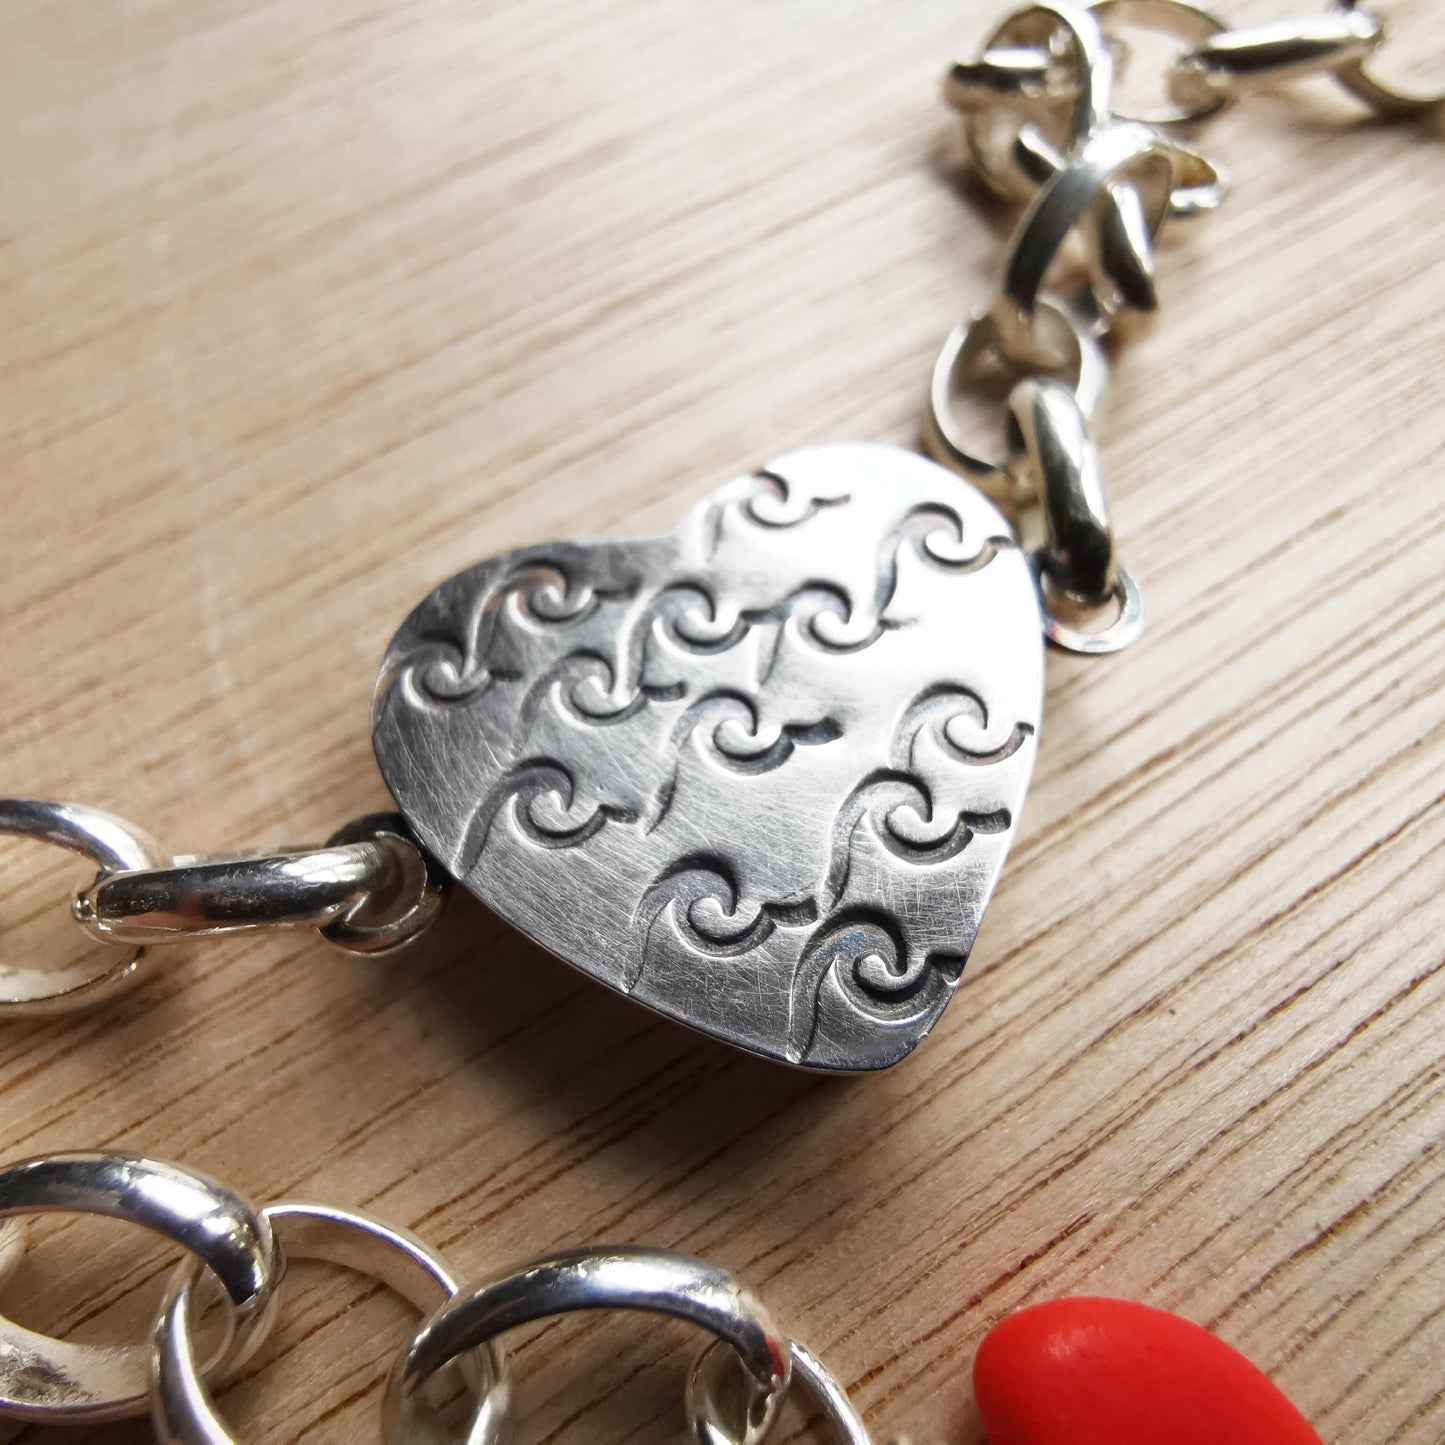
307,306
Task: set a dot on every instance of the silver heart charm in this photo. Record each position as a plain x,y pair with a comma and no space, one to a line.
759,773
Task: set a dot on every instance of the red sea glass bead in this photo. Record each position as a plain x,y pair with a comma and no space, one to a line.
1111,1372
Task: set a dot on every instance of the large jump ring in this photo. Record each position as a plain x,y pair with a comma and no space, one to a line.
182,1410
707,1375
625,1277
111,844
45,1379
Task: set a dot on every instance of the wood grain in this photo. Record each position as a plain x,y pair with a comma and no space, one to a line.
307,306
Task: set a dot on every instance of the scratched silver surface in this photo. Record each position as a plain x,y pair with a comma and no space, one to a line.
759,773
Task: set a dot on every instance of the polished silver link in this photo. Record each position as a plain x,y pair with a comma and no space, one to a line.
43,1379
369,890
182,1410
350,890
379,926
1041,121
1265,55
13,1236
625,1277
1076,563
1199,191
1061,459
1109,155
111,844
1388,100
1114,183
1124,608
973,344
1072,101
717,1366
232,892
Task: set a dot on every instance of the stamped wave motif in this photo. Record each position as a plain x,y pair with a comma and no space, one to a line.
937,535
699,895
900,811
766,499
862,961
537,798
939,712
727,723
445,667
581,686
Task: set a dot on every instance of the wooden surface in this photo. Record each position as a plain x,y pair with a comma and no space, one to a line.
307,306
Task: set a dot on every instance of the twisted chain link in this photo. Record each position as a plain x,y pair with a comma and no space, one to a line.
1098,187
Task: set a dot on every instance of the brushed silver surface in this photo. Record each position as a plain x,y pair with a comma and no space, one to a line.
759,773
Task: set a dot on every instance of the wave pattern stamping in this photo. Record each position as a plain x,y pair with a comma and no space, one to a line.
760,772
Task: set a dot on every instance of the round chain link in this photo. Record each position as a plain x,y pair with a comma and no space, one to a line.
43,1378
625,1277
182,1410
734,1392
717,1366
1181,21
973,349
113,845
1124,233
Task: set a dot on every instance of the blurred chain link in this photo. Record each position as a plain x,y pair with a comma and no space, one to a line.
1099,187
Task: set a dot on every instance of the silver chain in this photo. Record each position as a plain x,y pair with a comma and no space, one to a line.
735,1389
369,889
1099,187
